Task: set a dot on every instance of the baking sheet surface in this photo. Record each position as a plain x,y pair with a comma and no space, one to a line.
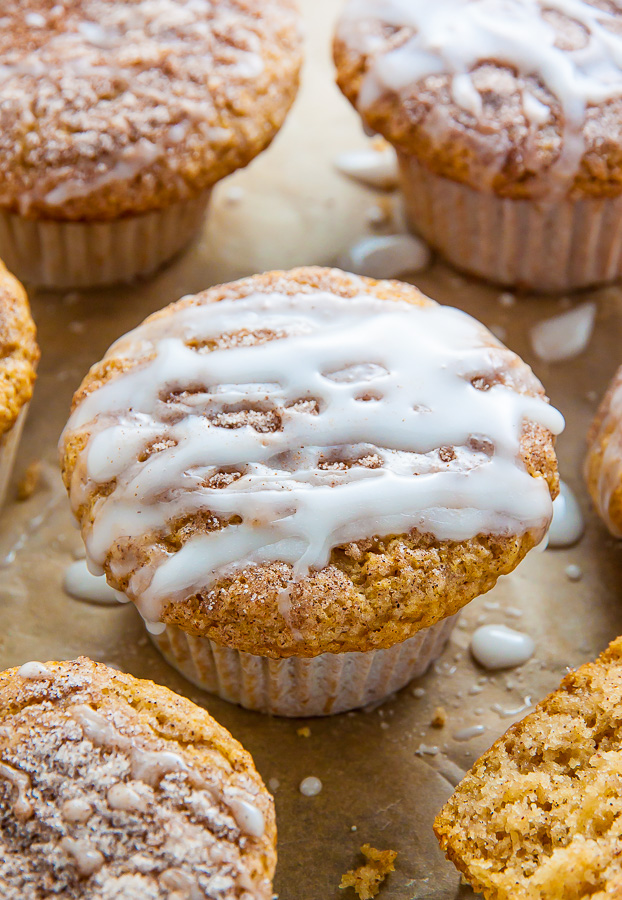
385,772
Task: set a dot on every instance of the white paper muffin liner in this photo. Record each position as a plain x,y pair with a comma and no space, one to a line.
321,686
8,451
558,245
61,255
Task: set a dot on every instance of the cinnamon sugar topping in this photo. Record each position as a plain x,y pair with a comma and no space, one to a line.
95,808
163,96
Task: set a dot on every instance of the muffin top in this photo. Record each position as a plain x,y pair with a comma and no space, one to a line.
19,352
263,435
115,787
110,108
521,96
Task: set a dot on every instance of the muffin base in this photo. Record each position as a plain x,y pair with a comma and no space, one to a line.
8,451
61,255
558,245
300,687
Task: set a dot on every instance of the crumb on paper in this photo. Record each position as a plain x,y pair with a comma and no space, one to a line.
29,480
366,879
305,731
439,719
379,144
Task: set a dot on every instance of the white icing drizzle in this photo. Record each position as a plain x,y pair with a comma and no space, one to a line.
374,168
249,818
76,810
567,524
513,711
537,112
500,647
564,336
128,797
383,385
310,786
184,886
149,766
34,671
455,36
87,859
386,256
466,734
80,584
21,782
131,162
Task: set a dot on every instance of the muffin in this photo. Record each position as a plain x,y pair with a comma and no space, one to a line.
506,118
539,815
19,355
301,477
603,464
111,787
117,119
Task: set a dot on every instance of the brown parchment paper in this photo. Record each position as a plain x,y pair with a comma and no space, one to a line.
288,208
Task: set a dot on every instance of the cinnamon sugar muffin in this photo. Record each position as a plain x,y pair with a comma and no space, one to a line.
19,355
506,116
603,464
117,119
301,477
111,787
539,816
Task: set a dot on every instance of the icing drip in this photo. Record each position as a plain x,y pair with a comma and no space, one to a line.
248,817
567,525
80,584
86,858
35,671
499,647
454,37
22,808
148,766
361,417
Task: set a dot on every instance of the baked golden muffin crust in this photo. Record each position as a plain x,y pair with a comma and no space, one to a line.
115,787
19,352
374,591
111,109
539,816
603,463
507,128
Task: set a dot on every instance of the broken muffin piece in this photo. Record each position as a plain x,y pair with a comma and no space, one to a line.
539,816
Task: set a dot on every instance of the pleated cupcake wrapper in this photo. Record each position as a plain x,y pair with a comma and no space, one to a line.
61,255
8,451
558,245
321,686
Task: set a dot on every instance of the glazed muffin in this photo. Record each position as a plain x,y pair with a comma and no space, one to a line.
19,355
508,133
603,464
539,816
113,787
117,119
301,477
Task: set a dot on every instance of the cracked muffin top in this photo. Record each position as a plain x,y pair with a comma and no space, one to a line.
114,787
112,108
524,96
308,461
